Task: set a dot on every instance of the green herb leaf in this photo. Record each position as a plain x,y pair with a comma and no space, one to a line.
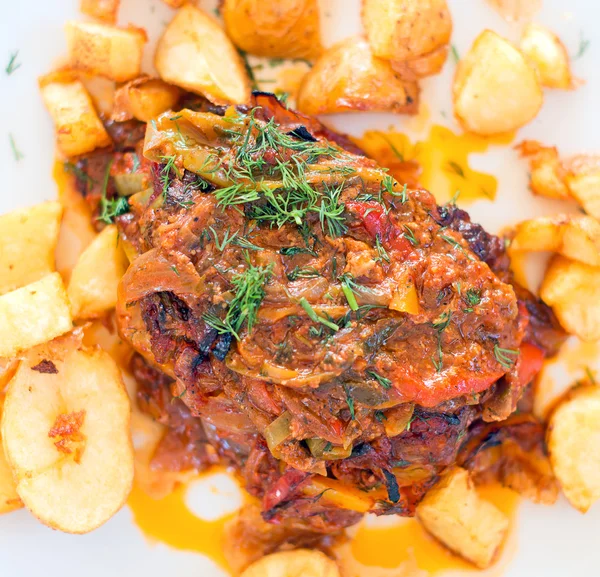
506,357
385,383
410,235
16,152
12,65
313,316
349,401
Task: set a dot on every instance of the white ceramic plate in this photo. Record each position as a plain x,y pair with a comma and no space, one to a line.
552,541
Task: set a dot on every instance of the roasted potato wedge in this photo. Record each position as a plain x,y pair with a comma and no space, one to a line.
426,65
574,236
574,446
78,128
144,99
93,286
105,10
33,314
583,181
572,289
9,499
547,174
495,90
348,77
65,428
28,238
115,53
547,54
283,29
195,53
402,30
453,512
298,563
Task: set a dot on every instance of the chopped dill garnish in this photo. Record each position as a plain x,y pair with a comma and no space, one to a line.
249,292
110,208
294,250
438,358
227,239
13,145
584,44
380,416
347,288
402,194
590,375
136,162
456,168
12,65
506,357
174,269
442,322
249,71
77,172
349,401
308,272
165,174
313,316
473,297
385,383
245,243
410,235
393,148
455,244
382,254
455,54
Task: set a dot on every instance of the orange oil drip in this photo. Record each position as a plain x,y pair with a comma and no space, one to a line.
439,163
408,543
168,520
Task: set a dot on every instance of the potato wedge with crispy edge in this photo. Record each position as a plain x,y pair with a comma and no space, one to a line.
348,77
105,10
92,289
574,236
144,99
195,53
547,176
495,90
427,65
9,499
65,429
548,55
78,127
28,238
33,314
574,445
572,289
115,53
583,181
283,29
401,30
453,512
298,563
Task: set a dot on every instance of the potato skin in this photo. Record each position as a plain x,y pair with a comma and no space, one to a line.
402,30
281,29
348,77
494,89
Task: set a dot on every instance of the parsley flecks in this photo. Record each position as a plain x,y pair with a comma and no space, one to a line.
383,381
506,357
12,65
473,297
249,292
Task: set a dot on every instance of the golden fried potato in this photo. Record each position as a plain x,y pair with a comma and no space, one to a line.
495,90
547,174
65,428
144,98
583,181
572,289
28,238
547,54
78,128
105,50
195,53
93,286
105,10
9,499
427,65
574,446
402,30
348,77
574,236
33,314
453,512
283,29
298,563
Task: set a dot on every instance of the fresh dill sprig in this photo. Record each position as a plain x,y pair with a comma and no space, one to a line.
383,381
349,401
442,322
409,235
165,173
473,298
455,244
227,238
15,150
382,254
393,148
12,65
249,288
438,358
455,54
243,242
294,250
584,44
455,168
308,272
506,357
77,172
313,316
402,194
110,208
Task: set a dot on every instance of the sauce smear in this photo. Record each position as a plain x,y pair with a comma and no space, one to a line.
439,163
